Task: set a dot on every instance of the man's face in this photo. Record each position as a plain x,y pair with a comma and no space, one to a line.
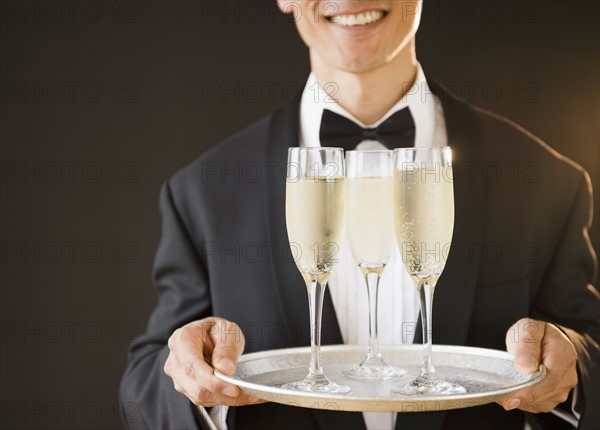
355,36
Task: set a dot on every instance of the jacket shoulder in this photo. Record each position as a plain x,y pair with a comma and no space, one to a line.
226,157
246,144
505,138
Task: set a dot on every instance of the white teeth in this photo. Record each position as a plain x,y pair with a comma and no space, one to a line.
359,19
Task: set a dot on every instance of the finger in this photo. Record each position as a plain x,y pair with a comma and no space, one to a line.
545,404
543,393
524,341
540,395
515,400
559,353
171,369
200,385
539,407
188,366
509,403
242,400
229,344
534,393
203,396
534,407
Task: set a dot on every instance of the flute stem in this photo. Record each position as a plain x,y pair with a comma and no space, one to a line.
426,290
372,277
316,290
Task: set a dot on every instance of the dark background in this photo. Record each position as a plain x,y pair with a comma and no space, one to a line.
102,101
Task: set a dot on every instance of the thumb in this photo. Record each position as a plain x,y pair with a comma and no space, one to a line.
524,341
229,342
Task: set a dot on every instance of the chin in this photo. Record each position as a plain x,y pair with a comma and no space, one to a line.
359,63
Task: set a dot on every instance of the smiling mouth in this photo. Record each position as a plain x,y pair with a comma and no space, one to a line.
351,20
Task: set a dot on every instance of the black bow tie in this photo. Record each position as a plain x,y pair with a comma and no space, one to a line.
397,131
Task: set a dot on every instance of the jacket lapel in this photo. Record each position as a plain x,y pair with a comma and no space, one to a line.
456,288
291,290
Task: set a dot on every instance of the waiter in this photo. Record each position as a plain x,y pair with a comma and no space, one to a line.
520,275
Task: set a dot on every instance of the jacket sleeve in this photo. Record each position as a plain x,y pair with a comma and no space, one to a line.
147,396
569,299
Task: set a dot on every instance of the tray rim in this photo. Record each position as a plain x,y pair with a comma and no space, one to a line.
535,377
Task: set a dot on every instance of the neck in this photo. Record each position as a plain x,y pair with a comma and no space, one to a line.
368,96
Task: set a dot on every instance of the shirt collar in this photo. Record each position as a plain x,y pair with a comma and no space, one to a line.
422,103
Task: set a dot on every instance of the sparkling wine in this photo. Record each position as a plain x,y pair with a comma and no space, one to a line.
369,220
424,219
315,222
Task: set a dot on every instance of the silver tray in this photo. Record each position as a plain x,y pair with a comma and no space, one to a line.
488,375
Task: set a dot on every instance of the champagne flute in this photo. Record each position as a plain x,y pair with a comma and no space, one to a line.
424,221
315,212
369,225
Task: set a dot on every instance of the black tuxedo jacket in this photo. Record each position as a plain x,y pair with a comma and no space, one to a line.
520,248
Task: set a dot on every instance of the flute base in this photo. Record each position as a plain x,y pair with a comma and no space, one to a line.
374,369
317,384
431,384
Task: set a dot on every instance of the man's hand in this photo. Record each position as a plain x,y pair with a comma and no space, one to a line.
533,342
198,347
